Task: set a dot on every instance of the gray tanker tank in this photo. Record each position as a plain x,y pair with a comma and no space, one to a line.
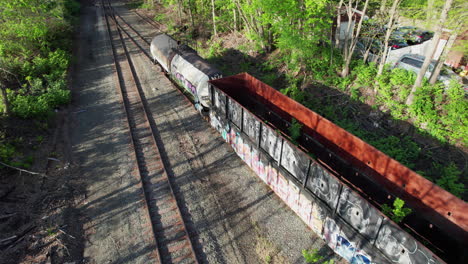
186,67
162,50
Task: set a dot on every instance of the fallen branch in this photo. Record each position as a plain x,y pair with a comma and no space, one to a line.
60,230
23,170
13,240
63,245
5,241
6,216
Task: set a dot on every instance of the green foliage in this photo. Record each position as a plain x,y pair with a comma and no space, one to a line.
295,93
28,106
35,45
312,256
448,178
365,74
295,130
7,152
40,139
160,18
455,120
51,68
10,155
269,78
214,50
426,112
402,77
397,213
403,149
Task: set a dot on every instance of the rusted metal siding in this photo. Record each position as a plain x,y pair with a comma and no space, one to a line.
434,203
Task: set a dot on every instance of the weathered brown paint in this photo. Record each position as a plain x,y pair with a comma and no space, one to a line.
440,206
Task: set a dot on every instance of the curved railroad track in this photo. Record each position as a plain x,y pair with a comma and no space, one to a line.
172,237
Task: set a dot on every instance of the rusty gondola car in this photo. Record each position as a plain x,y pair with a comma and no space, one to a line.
440,219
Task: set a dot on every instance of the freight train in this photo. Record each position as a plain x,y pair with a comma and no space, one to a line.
243,109
186,67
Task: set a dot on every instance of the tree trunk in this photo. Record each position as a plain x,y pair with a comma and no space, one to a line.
390,25
214,17
382,6
243,16
192,22
430,52
150,3
440,62
430,11
179,10
338,25
354,40
350,13
235,19
6,103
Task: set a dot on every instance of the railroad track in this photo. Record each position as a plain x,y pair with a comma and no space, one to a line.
172,239
148,19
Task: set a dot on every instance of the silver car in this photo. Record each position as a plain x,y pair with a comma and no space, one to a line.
414,62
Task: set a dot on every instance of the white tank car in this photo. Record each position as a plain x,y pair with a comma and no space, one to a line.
193,73
162,50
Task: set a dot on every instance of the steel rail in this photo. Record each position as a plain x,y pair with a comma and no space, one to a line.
116,15
130,37
170,250
117,78
149,20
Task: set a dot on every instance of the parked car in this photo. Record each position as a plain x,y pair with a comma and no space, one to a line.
397,41
406,29
414,62
418,36
374,51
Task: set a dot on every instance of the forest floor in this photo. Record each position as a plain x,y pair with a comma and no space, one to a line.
38,215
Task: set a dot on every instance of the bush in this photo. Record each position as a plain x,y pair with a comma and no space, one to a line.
456,117
30,106
448,178
6,152
51,68
295,130
365,74
398,212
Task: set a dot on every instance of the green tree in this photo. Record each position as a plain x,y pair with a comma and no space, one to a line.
430,52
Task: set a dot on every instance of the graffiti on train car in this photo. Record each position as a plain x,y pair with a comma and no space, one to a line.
221,125
295,161
346,221
323,185
359,214
331,231
282,187
251,127
318,214
271,142
293,197
185,83
235,113
401,248
216,76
